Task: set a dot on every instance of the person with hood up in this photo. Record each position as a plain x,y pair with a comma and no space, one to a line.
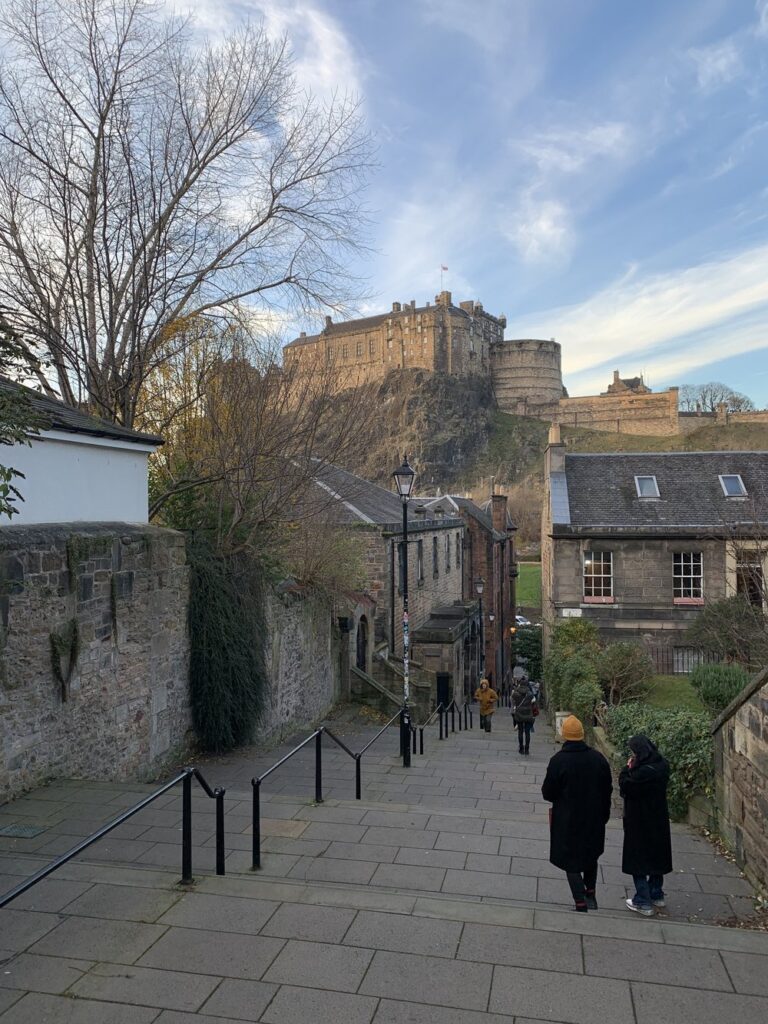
487,699
578,784
647,853
523,711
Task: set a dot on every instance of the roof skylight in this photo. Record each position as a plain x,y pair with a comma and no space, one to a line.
647,487
733,485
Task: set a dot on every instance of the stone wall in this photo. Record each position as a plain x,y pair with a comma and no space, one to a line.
741,775
302,662
94,661
654,414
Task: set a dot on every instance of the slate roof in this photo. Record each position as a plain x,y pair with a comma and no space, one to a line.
63,417
467,505
598,491
360,501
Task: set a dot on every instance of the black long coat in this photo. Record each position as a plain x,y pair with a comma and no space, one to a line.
578,784
647,839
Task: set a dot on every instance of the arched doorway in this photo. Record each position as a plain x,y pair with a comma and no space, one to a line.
361,659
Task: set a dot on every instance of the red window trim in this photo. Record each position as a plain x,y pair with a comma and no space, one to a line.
688,600
598,600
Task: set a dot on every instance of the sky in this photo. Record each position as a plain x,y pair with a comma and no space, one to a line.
597,170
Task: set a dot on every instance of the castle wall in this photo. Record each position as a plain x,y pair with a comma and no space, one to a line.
654,414
527,374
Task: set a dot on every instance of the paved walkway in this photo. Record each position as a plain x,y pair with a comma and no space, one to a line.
430,900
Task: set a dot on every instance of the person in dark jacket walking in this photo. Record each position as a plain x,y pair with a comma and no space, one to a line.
523,705
647,853
578,785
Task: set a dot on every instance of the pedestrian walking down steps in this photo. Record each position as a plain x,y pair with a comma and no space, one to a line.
578,784
524,711
647,851
487,699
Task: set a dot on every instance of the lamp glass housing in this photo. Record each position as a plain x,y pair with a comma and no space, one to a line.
404,477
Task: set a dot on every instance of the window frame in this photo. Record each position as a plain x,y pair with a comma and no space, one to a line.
647,476
722,477
679,578
435,558
447,552
420,562
606,595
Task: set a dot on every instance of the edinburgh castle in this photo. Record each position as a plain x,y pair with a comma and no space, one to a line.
466,340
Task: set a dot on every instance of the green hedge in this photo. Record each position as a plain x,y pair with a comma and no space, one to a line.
683,737
717,685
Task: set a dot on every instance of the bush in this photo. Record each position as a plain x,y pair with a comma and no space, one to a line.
552,677
624,671
528,649
226,665
717,685
733,630
683,737
576,636
585,696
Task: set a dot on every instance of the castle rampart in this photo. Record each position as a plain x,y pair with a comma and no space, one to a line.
527,375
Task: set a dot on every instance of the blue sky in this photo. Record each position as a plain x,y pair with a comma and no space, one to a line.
595,169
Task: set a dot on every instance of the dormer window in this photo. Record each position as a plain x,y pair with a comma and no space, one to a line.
733,486
646,487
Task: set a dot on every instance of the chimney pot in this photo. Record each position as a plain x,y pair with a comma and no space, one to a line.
328,321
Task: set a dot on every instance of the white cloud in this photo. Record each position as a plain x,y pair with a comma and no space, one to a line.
761,10
541,230
671,322
569,150
324,57
716,65
488,24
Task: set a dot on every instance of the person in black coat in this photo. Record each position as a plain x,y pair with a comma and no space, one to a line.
578,784
647,854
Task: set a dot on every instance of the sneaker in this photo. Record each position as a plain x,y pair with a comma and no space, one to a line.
591,901
645,911
660,902
581,908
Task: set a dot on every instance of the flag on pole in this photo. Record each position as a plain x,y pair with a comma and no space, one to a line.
442,267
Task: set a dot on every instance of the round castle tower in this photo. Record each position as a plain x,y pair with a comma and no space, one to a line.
526,373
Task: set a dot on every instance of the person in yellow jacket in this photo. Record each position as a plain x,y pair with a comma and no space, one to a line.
487,699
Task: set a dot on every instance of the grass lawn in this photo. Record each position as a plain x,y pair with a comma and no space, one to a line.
673,692
528,593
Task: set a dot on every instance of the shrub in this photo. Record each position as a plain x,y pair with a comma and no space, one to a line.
528,649
683,737
732,629
624,671
585,696
717,685
226,666
576,636
552,676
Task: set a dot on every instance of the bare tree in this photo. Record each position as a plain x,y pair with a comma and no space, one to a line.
245,439
146,180
707,397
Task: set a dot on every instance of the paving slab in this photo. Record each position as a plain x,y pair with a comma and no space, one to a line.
220,913
400,837
520,947
430,858
20,928
479,883
123,903
222,954
293,1004
143,986
555,996
748,972
316,924
406,876
242,1000
44,1009
121,942
404,934
318,965
429,979
49,896
48,974
662,964
362,851
655,1003
326,869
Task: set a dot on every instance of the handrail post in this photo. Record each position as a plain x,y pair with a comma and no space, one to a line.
421,739
440,716
406,734
453,716
186,829
319,767
256,826
471,726
413,737
358,779
220,852
465,715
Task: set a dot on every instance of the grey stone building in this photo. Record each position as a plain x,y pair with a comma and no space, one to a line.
640,542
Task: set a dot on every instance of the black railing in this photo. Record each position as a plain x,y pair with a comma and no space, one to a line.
185,778
317,736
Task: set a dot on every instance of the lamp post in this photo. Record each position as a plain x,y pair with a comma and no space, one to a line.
492,619
404,477
479,586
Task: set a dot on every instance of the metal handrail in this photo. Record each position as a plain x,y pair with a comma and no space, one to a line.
185,777
383,729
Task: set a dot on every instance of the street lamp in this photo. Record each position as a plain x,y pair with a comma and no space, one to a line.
404,477
479,586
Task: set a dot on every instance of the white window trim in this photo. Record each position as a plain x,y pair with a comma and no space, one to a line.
737,476
646,476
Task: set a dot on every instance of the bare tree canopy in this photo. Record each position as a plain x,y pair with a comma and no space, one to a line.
707,397
147,180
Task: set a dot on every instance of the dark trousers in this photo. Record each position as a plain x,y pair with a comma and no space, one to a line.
582,882
524,730
647,889
485,722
